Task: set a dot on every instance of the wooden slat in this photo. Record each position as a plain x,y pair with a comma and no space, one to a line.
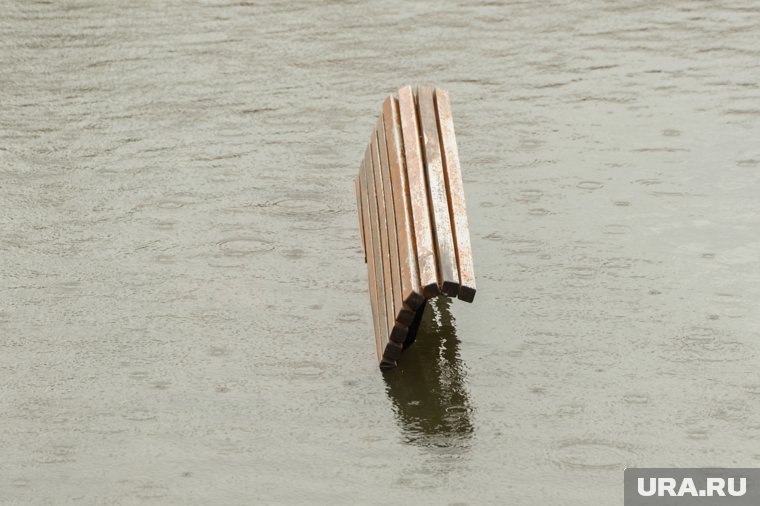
397,331
391,354
371,277
404,315
374,256
448,274
455,188
357,184
410,278
423,233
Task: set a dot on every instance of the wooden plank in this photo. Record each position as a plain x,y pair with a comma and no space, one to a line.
357,184
423,232
397,332
387,364
453,173
374,256
391,354
410,278
371,278
404,315
448,274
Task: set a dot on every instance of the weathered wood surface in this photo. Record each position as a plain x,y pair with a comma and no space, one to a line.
374,265
448,275
461,229
397,331
370,258
415,171
410,278
413,219
404,315
357,183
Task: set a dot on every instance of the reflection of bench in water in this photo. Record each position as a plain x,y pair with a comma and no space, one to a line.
412,216
428,389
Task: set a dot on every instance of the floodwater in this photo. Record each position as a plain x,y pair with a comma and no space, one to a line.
184,316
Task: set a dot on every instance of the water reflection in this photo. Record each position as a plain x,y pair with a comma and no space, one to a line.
428,387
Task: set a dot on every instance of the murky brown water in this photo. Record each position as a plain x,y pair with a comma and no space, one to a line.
183,307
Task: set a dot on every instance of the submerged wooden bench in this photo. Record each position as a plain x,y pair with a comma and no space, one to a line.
412,216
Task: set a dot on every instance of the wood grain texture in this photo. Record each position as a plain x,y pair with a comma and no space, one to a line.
455,186
397,332
403,315
423,232
357,185
371,276
410,278
374,253
448,274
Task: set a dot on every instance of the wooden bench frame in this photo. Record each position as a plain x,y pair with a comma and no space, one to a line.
412,216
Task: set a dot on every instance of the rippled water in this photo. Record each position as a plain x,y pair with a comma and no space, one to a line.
183,307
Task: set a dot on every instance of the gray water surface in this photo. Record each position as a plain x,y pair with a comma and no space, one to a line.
184,316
